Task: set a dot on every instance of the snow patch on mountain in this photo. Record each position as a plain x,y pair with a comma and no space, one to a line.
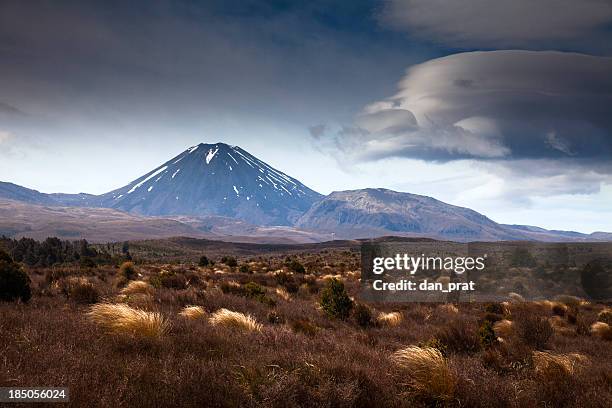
147,179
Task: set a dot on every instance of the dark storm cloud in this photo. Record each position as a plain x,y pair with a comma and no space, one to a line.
517,105
540,121
177,59
493,24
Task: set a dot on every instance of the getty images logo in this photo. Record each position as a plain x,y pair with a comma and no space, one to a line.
413,264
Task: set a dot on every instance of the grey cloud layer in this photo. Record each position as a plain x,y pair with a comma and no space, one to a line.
486,23
541,122
497,105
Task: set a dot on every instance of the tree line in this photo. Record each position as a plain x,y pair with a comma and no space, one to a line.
53,251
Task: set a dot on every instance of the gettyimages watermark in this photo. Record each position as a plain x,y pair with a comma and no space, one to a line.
430,271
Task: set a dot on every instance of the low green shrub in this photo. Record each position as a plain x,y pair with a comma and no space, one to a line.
14,282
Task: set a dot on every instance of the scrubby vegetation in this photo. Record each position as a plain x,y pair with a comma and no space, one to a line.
194,334
14,282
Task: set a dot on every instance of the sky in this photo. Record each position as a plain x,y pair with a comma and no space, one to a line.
503,107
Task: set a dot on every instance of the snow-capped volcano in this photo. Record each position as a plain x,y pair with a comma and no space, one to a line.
215,179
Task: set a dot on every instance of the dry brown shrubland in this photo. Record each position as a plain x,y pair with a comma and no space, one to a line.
300,357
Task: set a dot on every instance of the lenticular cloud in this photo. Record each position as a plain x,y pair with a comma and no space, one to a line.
496,105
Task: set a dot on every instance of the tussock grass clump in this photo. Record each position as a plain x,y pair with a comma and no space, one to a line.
283,294
137,287
122,319
515,297
602,330
84,292
428,372
193,312
568,300
551,364
389,319
503,329
448,308
227,318
605,316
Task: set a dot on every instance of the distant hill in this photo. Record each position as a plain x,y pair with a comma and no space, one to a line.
375,212
19,219
12,191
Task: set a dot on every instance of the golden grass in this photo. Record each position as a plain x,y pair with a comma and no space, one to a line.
559,307
227,318
353,275
561,326
605,316
549,363
331,276
602,330
427,371
390,319
515,297
122,319
448,308
503,328
137,287
283,294
193,312
568,300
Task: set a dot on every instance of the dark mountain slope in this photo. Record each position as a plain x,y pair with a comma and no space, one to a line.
215,179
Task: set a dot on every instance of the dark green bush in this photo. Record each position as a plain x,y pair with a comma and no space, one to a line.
171,280
14,282
229,261
363,315
487,334
295,266
244,268
204,261
254,291
521,257
495,308
128,271
335,301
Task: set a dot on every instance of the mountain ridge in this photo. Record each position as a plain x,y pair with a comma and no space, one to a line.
224,188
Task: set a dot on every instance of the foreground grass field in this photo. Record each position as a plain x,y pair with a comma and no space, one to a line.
256,334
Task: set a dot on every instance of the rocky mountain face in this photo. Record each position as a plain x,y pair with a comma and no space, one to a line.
375,212
215,179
